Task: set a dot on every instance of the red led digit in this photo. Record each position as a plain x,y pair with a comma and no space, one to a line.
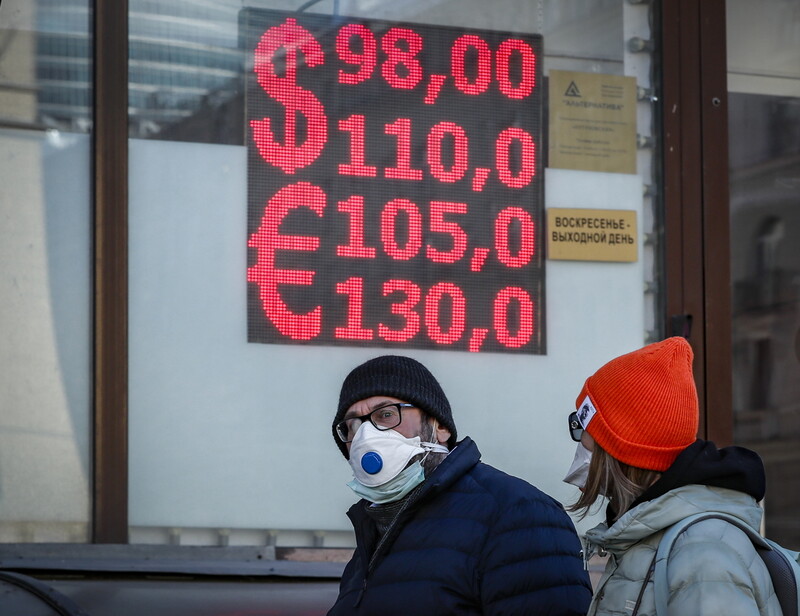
483,77
354,289
458,313
399,57
389,229
527,157
355,207
404,309
355,126
453,229
525,312
527,237
460,152
401,128
527,68
365,60
291,155
268,240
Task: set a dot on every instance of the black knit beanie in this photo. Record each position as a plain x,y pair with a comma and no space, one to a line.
399,377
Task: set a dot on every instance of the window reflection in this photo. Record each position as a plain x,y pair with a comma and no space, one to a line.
185,61
765,258
45,276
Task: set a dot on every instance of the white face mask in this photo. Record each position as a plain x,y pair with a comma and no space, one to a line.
378,456
578,472
379,459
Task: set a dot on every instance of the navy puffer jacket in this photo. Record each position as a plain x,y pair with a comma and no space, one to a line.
474,541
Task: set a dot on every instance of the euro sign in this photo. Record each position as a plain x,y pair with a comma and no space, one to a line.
284,42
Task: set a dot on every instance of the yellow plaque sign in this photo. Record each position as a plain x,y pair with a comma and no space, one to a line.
592,235
592,122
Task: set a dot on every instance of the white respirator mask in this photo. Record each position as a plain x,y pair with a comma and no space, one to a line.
380,462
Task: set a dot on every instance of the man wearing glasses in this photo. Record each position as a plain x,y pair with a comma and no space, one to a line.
437,531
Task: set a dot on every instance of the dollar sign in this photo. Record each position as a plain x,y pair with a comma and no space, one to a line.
289,156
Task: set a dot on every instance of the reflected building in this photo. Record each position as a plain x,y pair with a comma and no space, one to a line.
765,269
185,66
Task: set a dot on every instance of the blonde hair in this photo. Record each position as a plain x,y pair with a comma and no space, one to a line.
621,483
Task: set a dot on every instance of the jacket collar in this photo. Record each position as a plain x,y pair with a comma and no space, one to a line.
702,463
655,515
458,463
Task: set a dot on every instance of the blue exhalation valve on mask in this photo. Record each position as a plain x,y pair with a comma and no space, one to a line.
372,462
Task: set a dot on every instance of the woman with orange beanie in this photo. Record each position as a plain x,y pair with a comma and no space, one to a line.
636,424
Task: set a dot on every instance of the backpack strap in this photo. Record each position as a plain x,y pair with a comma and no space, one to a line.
783,569
777,564
644,586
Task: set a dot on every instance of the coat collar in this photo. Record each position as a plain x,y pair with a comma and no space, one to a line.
654,516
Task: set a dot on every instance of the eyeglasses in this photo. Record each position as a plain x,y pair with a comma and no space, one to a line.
384,417
575,427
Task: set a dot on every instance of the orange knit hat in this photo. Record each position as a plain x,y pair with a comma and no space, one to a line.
642,407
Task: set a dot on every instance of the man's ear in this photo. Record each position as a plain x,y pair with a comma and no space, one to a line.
442,434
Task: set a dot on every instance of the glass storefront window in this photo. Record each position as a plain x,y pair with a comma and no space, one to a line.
230,440
230,436
764,120
45,271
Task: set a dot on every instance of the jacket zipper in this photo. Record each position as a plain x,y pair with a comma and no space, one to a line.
361,593
379,548
373,560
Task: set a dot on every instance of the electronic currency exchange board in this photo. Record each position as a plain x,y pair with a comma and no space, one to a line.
395,184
